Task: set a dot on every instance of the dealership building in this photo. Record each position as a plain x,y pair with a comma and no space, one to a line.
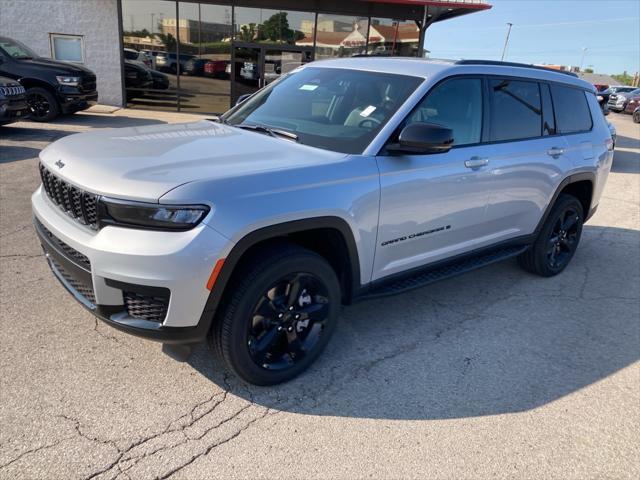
201,56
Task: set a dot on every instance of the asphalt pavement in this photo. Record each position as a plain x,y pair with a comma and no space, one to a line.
494,374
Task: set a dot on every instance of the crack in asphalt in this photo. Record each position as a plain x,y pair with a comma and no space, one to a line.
34,450
104,335
210,448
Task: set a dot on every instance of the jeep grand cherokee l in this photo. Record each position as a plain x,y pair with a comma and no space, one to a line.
342,180
53,87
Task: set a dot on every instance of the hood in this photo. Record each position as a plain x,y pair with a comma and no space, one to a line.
144,163
64,68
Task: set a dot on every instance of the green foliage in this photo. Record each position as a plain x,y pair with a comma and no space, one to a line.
138,33
588,70
624,78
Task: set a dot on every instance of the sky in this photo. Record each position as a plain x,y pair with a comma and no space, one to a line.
546,31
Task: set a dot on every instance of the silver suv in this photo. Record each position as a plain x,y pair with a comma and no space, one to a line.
342,180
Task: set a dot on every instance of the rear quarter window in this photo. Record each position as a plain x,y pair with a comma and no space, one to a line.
571,109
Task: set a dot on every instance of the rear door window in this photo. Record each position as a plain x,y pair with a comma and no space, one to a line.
516,110
572,109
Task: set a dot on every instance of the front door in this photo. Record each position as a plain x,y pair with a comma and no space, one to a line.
253,66
433,206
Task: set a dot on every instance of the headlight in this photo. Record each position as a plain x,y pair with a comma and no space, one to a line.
151,215
632,101
68,81
600,98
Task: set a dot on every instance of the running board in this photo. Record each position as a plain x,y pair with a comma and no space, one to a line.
431,275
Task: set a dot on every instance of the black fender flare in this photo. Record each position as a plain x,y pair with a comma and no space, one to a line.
576,177
273,232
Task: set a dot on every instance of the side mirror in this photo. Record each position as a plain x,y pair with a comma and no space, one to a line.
423,138
242,98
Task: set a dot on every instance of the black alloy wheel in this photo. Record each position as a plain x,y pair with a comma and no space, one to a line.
288,321
278,313
557,240
42,104
563,239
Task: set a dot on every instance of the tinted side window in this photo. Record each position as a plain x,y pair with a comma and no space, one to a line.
572,109
456,104
516,111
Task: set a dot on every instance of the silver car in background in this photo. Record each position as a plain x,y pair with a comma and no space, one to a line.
342,180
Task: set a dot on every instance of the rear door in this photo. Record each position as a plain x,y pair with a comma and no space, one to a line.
529,157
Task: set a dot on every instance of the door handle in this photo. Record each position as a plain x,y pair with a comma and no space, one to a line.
476,162
555,152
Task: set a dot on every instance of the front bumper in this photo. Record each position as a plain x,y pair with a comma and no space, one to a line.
70,103
14,110
114,260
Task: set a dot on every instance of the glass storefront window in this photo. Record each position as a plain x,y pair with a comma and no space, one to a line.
205,45
393,37
340,36
196,56
261,25
149,54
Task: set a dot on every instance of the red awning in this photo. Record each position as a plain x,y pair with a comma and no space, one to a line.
472,5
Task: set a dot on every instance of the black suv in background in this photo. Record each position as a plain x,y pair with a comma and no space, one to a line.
13,101
53,87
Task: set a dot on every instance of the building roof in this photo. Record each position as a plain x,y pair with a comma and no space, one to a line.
598,79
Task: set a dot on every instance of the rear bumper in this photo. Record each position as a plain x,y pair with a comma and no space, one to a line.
98,268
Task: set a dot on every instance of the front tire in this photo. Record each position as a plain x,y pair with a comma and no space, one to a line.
279,316
43,104
558,239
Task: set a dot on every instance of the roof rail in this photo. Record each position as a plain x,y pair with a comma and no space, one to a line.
513,64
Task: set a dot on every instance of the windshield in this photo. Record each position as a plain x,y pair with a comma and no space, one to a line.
332,108
16,49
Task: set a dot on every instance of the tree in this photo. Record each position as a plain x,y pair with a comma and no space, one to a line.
588,70
624,78
276,28
168,40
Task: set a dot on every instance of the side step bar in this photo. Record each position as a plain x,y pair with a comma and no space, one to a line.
431,275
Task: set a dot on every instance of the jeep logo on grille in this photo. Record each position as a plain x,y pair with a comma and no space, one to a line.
59,164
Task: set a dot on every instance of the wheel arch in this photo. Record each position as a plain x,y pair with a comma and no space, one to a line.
581,185
341,252
28,82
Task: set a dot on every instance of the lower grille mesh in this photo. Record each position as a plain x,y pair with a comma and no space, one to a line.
82,288
146,307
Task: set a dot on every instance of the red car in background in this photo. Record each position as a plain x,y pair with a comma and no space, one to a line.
632,104
216,68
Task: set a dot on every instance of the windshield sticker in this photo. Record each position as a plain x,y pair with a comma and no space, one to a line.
308,87
368,111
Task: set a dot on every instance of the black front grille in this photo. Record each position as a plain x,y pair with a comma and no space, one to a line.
89,83
84,289
146,307
78,204
70,252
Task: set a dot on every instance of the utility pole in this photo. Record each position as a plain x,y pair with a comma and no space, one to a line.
506,41
584,50
152,28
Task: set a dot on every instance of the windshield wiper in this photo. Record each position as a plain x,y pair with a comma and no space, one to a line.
274,132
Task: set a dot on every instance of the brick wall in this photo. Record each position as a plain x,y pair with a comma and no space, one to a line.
31,22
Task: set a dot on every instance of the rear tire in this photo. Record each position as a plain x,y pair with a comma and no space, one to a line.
558,239
43,104
279,314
